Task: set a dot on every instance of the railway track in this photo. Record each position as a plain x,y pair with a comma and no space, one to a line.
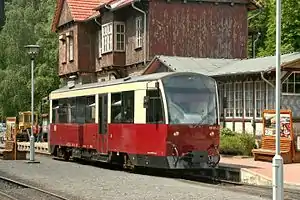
15,190
193,177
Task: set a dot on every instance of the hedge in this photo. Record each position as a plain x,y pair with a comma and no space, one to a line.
234,143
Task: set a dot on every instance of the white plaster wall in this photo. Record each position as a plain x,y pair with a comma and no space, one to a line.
248,127
259,129
238,126
229,125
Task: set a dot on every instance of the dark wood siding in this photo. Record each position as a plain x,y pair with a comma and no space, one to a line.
86,51
65,16
133,55
198,29
68,67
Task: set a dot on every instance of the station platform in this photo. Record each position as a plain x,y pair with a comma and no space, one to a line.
260,173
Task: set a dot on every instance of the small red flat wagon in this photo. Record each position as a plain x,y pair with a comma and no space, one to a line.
162,120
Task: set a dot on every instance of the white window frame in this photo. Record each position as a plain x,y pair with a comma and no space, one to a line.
138,32
238,100
290,81
259,88
121,34
270,104
107,37
99,43
249,99
71,48
229,93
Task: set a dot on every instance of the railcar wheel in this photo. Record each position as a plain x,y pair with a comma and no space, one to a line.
66,156
128,164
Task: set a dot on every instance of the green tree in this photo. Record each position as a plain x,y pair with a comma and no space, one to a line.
266,24
27,22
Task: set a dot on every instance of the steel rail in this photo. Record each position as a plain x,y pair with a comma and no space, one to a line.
4,194
30,187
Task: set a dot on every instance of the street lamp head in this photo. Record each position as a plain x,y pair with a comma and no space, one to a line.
32,50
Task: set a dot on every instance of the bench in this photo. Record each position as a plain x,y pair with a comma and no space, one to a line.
11,153
268,147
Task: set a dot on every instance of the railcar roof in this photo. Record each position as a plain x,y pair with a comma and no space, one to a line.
142,78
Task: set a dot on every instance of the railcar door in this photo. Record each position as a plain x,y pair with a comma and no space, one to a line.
103,123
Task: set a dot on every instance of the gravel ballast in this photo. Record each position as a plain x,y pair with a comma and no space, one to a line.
77,181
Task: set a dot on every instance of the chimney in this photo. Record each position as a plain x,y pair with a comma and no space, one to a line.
2,16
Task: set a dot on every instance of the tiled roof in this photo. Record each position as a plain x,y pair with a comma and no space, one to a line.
81,10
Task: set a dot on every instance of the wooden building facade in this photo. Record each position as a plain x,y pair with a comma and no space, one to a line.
101,40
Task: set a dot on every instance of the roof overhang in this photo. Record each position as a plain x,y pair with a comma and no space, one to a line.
230,67
113,5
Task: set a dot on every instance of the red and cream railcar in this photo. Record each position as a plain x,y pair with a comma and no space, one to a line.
162,120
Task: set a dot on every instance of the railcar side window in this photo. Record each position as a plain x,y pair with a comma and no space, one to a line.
55,111
122,107
154,112
128,107
116,116
74,110
90,110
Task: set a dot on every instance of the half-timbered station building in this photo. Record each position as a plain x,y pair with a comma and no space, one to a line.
105,39
247,84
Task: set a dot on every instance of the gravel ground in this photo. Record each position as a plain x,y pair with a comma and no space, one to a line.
89,182
23,193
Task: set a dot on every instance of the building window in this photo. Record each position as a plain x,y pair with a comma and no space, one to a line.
229,94
238,100
248,98
292,84
70,41
63,54
107,39
71,49
138,32
119,36
270,96
259,98
221,98
99,43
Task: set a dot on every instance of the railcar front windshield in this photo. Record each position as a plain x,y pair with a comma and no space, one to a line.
191,99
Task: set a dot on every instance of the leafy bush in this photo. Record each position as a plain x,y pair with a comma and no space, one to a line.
233,143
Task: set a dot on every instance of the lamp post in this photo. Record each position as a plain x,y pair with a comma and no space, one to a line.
32,51
277,162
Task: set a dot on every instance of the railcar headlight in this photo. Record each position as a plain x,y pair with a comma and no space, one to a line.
176,133
212,134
